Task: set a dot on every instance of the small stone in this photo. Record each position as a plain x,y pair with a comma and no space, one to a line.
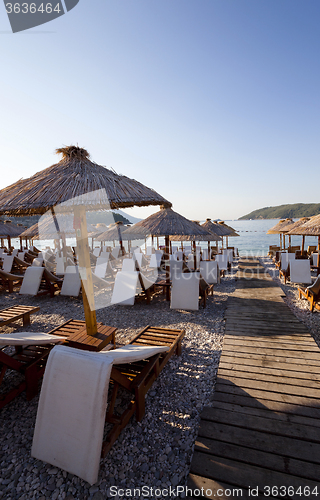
144,467
53,471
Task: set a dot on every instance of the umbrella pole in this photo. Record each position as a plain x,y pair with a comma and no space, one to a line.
167,267
84,263
318,260
280,241
194,255
302,244
284,241
209,254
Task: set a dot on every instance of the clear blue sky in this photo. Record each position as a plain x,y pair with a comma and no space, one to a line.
213,103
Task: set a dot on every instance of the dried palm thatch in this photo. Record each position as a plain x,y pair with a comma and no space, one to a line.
166,222
46,228
112,233
277,229
231,232
215,228
294,229
8,228
74,177
312,227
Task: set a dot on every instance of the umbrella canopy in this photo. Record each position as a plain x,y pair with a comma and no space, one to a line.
46,229
311,227
74,176
8,228
166,222
78,184
294,229
112,233
277,229
231,231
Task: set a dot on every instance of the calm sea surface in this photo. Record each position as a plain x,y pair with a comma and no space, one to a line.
252,240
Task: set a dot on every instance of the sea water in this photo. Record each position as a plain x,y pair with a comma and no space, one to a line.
252,240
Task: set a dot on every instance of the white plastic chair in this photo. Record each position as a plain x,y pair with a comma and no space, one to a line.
185,291
125,288
71,283
210,271
300,271
31,280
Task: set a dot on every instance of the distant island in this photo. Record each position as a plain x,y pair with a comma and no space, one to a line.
294,211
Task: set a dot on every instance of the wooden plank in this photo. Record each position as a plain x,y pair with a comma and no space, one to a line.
257,344
271,361
269,351
265,459
244,475
227,364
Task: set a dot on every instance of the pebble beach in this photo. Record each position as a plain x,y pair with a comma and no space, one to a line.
155,453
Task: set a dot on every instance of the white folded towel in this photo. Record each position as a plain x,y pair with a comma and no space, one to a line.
29,338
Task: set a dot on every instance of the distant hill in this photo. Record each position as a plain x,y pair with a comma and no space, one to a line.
294,211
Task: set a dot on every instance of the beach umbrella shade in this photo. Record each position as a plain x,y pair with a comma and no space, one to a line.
222,229
208,237
277,229
119,232
312,228
77,184
167,223
10,230
294,229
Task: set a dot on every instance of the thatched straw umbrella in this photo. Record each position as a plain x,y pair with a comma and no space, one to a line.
215,228
76,183
278,229
119,232
294,229
10,230
208,237
312,228
167,223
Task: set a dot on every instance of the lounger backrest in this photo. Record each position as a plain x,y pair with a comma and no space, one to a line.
314,259
71,283
300,271
230,255
190,261
155,260
205,254
150,250
185,291
96,252
128,265
37,262
115,252
60,267
178,255
175,267
101,267
7,263
104,255
125,287
222,262
31,280
210,272
140,258
21,255
315,288
15,252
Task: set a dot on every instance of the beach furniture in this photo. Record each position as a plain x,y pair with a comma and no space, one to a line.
284,271
155,261
222,261
312,294
128,265
101,267
96,251
210,271
71,282
125,288
60,266
175,267
185,291
7,262
314,259
29,357
104,255
37,262
115,252
300,271
205,254
140,259
72,438
31,280
311,249
8,281
15,313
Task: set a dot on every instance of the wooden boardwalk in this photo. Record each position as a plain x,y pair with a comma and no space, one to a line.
263,428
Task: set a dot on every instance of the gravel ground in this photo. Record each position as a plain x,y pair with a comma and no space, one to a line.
155,452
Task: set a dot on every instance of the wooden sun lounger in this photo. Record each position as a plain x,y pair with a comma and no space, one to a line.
12,314
76,332
314,299
8,281
137,378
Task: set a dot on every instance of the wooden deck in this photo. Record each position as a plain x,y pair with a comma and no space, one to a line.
263,428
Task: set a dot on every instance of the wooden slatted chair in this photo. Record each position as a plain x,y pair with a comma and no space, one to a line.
137,378
312,294
8,281
15,313
28,359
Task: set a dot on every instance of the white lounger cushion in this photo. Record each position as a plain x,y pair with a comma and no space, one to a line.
185,291
314,259
132,353
31,280
71,415
71,412
209,270
71,283
125,288
300,271
29,338
7,263
222,262
128,265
